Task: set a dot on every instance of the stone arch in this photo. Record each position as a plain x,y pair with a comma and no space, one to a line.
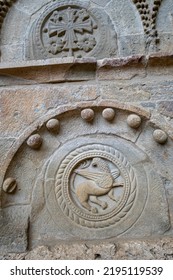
36,172
64,109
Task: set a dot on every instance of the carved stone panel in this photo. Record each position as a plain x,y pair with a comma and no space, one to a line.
90,183
89,28
95,186
72,28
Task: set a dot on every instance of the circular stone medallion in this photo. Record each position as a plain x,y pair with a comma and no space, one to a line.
70,28
95,186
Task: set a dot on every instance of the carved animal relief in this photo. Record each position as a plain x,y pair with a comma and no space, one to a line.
95,186
95,182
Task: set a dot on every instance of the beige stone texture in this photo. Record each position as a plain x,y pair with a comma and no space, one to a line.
158,249
86,130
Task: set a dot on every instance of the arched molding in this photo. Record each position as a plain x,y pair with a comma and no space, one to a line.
34,127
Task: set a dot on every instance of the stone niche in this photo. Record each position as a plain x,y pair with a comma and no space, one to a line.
86,93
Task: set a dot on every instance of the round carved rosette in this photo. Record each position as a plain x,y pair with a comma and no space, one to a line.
70,28
95,186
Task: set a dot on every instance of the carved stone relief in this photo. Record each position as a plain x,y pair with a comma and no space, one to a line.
77,28
148,11
90,173
93,183
4,7
73,28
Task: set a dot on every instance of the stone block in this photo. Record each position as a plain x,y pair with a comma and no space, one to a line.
14,225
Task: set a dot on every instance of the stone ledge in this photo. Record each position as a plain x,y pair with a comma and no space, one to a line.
146,249
71,69
152,59
46,62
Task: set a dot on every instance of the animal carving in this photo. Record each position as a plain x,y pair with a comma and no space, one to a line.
99,181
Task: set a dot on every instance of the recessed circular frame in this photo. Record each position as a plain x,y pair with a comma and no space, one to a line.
70,28
102,214
67,199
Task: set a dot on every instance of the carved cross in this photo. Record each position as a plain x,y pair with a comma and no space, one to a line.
66,23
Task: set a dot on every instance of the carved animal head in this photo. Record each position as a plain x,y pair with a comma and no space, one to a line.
101,164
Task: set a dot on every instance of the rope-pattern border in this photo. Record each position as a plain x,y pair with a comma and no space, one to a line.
63,203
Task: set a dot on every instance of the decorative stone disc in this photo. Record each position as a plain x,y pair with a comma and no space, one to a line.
95,186
71,28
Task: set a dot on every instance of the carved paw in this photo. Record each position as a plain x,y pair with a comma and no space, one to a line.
104,205
94,210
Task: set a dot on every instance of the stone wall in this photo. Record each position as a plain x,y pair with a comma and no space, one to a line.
86,129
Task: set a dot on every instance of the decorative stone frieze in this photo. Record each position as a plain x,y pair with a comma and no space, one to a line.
160,136
87,114
134,121
108,114
34,141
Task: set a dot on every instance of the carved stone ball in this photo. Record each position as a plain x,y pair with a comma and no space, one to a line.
9,185
160,136
134,120
34,141
53,126
108,114
87,115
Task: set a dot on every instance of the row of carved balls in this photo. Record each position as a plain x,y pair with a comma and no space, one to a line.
53,125
134,121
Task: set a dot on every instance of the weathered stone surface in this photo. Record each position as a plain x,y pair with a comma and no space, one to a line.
86,144
100,144
14,229
74,28
148,249
130,27
165,108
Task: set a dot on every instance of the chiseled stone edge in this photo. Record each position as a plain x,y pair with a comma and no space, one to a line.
67,69
154,59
